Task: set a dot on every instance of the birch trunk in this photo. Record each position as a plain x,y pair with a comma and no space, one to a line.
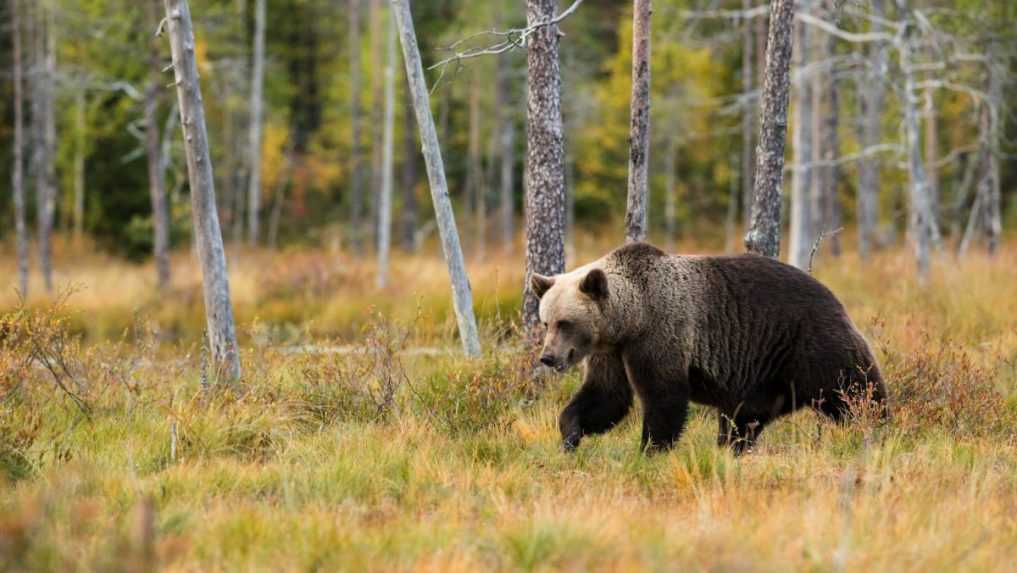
356,145
800,243
254,160
45,145
871,95
388,172
639,128
18,169
994,195
763,236
215,281
545,159
153,153
831,151
374,17
462,297
919,211
748,114
761,30
932,153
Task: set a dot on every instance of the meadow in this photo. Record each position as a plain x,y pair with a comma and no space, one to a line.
361,439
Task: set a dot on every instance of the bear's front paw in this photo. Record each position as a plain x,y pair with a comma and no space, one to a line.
570,443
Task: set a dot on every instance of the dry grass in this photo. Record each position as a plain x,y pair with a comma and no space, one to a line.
384,460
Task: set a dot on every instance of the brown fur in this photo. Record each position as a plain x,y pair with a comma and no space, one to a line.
748,335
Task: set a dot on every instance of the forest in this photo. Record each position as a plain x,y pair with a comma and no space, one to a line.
270,277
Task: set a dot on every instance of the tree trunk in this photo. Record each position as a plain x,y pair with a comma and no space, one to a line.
408,213
748,113
761,30
871,96
636,222
356,146
374,17
153,152
222,336
994,196
17,170
445,217
45,144
763,236
932,153
388,171
254,161
918,206
831,171
545,159
802,219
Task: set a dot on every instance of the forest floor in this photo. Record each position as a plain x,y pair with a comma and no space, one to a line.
379,457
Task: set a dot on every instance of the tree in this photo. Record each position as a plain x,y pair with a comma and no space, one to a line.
871,96
764,232
388,143
222,336
254,159
17,171
639,130
545,157
800,242
748,114
462,298
44,128
153,152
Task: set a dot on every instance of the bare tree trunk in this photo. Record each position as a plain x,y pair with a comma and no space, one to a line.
761,30
222,336
918,205
462,297
254,161
748,113
377,121
408,214
388,171
639,130
831,151
545,159
45,144
80,128
18,169
763,236
670,200
932,152
153,152
871,95
356,152
802,219
994,196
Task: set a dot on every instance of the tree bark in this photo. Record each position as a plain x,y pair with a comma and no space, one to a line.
388,171
993,195
445,217
748,114
45,144
222,336
918,205
636,222
871,96
257,99
932,152
545,159
408,215
153,152
763,236
17,169
356,145
802,219
374,17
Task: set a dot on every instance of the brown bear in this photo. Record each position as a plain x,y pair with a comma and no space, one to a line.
748,335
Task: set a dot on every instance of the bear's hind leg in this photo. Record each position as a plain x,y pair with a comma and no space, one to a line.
603,401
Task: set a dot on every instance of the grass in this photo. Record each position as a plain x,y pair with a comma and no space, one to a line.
379,459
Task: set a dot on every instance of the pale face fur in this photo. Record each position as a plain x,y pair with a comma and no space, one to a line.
570,311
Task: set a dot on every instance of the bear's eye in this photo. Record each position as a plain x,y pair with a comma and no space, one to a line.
564,325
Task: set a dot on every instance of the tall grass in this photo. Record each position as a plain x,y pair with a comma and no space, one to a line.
361,440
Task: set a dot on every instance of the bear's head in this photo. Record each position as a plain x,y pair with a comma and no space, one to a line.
571,308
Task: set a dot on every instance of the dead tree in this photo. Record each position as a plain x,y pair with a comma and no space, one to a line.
462,298
222,336
257,101
639,128
763,236
17,170
153,152
991,182
545,157
800,241
871,97
388,151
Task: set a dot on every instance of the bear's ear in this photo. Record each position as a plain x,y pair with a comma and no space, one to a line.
541,284
594,285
